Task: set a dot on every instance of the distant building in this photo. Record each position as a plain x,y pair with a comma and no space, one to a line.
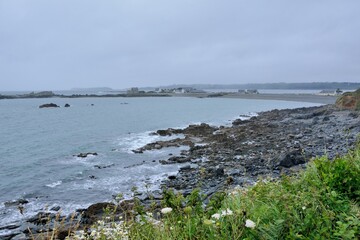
252,91
43,94
331,92
133,90
248,91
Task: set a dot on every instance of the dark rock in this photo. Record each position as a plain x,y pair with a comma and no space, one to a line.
41,218
104,166
16,202
291,159
137,151
10,227
56,208
8,236
326,118
163,132
219,171
67,105
48,105
84,155
172,177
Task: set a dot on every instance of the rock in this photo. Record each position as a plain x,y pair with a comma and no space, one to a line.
67,105
326,118
219,172
56,208
104,166
9,227
16,202
9,236
172,177
95,212
291,159
84,155
49,105
137,151
41,218
163,132
186,167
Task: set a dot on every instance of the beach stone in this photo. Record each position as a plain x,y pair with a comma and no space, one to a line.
67,105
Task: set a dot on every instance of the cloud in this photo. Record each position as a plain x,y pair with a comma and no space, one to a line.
62,44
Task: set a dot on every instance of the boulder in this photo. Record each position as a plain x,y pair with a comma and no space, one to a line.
16,203
48,105
292,158
67,105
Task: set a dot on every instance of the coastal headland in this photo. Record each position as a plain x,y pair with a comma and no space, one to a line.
219,158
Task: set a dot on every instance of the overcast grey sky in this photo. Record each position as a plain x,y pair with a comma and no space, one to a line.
61,44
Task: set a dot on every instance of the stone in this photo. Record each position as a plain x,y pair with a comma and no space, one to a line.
67,105
84,155
49,105
291,159
16,202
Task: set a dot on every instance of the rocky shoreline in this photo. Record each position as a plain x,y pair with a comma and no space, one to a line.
221,157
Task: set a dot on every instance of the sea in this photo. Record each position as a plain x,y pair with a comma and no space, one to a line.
38,147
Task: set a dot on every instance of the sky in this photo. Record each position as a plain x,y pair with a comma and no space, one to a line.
64,44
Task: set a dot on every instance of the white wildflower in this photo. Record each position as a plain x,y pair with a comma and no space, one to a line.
303,208
226,212
249,224
166,210
216,216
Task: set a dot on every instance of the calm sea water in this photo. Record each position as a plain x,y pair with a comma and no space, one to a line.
37,146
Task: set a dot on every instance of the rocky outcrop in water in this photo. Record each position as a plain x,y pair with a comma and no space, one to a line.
84,155
49,105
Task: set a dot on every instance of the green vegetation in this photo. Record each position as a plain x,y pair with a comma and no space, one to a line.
321,202
349,100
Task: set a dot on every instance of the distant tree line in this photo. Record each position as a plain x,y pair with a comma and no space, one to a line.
280,85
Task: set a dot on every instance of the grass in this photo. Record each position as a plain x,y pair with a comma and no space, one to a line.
321,202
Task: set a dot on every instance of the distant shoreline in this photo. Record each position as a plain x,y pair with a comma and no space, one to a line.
311,98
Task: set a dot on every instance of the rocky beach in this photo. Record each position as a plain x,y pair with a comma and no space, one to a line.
219,158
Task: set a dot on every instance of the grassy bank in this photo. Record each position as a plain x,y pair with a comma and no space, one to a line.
321,202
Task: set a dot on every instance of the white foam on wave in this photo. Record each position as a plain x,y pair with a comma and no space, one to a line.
138,140
10,215
54,184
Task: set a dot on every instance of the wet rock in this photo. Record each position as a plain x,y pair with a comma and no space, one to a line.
41,218
16,202
104,166
56,208
137,151
95,212
67,105
49,105
84,155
